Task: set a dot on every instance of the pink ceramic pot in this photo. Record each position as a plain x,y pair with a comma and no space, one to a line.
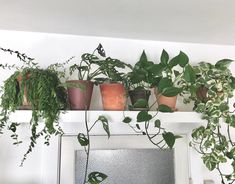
80,99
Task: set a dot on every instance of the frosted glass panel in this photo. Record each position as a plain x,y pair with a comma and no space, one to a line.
134,166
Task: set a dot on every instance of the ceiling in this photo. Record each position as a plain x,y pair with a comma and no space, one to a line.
200,21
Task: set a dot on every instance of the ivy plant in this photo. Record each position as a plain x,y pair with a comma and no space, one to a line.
211,91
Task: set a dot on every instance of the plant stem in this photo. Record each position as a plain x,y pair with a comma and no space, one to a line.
88,147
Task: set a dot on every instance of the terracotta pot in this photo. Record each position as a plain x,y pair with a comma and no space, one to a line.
169,101
202,93
113,96
25,103
136,95
80,99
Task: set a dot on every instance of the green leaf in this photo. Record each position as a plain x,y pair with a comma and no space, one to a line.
178,136
140,103
232,82
224,63
183,59
189,74
210,162
143,116
137,126
96,177
164,57
105,124
82,139
157,123
171,91
143,57
157,69
127,120
164,83
169,139
164,108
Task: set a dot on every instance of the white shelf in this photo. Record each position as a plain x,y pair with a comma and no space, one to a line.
24,116
72,122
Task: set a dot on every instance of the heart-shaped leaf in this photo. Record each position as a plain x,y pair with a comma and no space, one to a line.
143,116
163,84
127,120
171,91
140,103
164,108
189,74
224,63
164,57
183,59
169,139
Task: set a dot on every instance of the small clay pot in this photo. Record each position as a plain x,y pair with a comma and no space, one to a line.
25,103
136,95
168,101
80,99
202,93
113,96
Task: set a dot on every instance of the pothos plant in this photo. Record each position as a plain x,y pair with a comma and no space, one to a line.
211,89
167,78
42,89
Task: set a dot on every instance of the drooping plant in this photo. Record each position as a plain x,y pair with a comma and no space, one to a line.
43,91
211,91
167,78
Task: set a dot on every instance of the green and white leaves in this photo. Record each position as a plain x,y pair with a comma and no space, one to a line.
210,161
223,64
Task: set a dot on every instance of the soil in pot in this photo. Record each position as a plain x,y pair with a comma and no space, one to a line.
80,99
136,95
168,101
113,96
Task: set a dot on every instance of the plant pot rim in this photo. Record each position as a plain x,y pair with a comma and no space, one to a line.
75,81
111,84
139,90
20,78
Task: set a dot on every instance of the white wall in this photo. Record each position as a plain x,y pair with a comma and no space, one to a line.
51,48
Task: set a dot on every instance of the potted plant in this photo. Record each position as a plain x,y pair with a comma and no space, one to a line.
80,91
169,73
112,84
140,81
213,140
44,92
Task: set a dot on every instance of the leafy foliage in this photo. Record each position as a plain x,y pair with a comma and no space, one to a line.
43,91
211,91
